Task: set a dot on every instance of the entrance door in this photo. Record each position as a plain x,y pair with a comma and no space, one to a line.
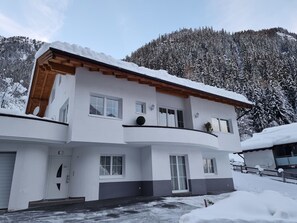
7,161
179,180
58,177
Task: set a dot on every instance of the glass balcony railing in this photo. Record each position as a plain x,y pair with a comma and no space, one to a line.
285,161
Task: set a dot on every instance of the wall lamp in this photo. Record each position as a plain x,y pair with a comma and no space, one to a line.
152,107
196,115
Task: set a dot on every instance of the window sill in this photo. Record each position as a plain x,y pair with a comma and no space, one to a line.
224,133
210,174
105,117
180,191
107,177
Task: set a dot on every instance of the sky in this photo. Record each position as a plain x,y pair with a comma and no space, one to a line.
119,27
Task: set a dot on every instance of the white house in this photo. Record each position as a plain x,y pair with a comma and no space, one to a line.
273,148
87,143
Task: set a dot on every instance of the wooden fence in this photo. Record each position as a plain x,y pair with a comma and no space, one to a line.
266,172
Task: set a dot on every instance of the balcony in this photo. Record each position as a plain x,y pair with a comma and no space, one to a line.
148,135
286,161
29,128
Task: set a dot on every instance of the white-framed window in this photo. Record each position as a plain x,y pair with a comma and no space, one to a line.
63,114
105,106
209,165
221,125
140,107
171,117
111,165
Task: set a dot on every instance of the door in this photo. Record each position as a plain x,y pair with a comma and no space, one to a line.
179,180
7,161
58,177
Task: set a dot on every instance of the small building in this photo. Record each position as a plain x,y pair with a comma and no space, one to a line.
99,128
273,148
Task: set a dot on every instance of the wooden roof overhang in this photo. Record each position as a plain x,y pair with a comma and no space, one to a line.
55,61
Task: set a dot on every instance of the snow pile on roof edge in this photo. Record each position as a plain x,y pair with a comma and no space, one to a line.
159,74
269,137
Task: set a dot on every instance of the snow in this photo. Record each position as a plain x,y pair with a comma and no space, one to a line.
158,74
269,137
283,35
255,183
17,112
242,206
24,57
258,199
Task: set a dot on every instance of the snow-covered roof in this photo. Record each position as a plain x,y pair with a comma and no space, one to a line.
269,137
157,74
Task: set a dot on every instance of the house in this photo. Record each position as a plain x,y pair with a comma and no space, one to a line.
104,128
273,148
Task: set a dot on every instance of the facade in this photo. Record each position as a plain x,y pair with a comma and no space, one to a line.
273,148
109,129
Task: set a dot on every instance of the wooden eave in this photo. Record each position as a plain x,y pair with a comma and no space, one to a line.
55,61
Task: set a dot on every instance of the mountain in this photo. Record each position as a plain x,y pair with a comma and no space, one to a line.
262,65
16,64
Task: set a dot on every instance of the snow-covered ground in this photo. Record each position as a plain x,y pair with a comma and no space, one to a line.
257,199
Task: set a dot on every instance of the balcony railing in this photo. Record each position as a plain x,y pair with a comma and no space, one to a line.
169,135
286,161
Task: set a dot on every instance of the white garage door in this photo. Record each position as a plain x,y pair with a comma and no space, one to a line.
6,171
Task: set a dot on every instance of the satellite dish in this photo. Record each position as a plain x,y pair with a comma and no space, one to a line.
36,110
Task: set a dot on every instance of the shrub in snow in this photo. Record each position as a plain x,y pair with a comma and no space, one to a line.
280,170
208,127
260,170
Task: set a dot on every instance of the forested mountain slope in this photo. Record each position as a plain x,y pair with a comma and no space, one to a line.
16,63
259,64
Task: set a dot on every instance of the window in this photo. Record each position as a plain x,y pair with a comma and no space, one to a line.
111,165
209,165
221,125
171,118
64,113
112,107
140,107
105,106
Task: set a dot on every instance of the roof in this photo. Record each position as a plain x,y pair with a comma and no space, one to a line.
270,137
64,58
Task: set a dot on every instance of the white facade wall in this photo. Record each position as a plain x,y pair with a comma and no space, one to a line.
264,158
32,130
170,101
85,176
222,166
91,128
29,176
209,109
146,164
194,162
64,87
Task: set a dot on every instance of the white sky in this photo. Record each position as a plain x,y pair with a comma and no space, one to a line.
118,27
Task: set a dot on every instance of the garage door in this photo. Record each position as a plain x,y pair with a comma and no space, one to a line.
6,171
